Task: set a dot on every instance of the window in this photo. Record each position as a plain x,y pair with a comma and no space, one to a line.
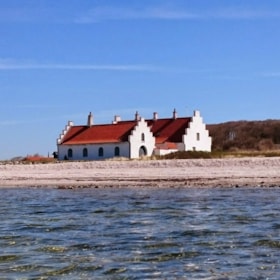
117,151
70,153
100,152
197,136
143,137
85,152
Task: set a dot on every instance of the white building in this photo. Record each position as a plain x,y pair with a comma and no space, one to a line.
134,138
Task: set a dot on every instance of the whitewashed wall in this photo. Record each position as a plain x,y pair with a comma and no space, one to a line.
93,151
64,132
136,142
190,140
162,152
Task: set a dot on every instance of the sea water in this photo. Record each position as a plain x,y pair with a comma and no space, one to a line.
128,233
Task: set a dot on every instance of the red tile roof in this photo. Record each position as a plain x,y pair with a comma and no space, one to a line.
169,130
110,133
166,146
165,130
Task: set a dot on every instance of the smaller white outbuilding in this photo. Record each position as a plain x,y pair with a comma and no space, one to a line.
133,138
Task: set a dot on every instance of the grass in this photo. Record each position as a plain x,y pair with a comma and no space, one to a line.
220,154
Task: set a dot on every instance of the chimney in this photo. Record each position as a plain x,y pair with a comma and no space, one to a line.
155,116
116,119
174,114
90,120
137,116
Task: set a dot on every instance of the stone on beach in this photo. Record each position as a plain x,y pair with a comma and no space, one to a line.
227,172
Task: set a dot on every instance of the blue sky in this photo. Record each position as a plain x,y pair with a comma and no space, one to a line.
59,60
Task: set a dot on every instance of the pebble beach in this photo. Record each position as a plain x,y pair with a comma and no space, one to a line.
227,172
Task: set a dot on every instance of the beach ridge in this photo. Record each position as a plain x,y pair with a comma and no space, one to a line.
226,172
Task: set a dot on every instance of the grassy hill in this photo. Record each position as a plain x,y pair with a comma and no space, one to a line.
245,135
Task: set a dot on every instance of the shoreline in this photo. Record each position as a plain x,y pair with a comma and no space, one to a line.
188,173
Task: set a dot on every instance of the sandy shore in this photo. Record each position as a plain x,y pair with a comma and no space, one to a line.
233,172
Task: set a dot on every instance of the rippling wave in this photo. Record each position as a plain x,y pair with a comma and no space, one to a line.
140,233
